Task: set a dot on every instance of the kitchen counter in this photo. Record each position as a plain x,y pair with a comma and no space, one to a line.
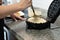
19,30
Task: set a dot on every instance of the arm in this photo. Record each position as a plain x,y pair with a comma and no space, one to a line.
7,10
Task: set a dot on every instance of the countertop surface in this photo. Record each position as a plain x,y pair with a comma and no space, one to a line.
19,29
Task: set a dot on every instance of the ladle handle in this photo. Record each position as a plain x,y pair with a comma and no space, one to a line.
33,9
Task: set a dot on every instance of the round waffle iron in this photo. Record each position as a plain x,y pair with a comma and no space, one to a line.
53,13
37,23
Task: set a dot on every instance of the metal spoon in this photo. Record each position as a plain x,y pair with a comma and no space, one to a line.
33,10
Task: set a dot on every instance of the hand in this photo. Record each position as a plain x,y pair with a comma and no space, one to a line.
15,17
25,4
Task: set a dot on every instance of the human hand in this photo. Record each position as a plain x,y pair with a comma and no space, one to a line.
25,4
17,17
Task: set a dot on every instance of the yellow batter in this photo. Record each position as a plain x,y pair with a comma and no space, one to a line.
37,20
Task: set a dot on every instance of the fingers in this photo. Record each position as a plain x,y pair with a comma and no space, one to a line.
30,1
21,18
25,3
14,18
18,18
29,4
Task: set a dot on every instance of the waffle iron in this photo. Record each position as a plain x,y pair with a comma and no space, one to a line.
52,14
